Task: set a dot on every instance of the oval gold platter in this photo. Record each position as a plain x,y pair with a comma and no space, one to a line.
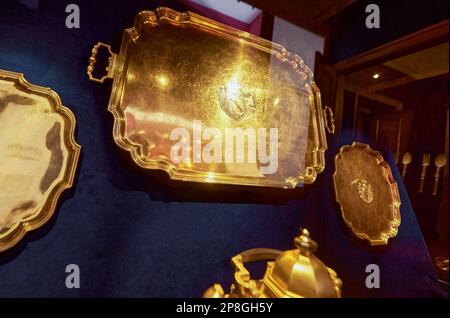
185,86
367,193
38,155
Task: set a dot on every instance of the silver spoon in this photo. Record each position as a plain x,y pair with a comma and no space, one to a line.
406,160
440,161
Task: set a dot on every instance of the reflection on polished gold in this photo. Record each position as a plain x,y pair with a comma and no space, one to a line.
367,193
295,273
38,155
176,68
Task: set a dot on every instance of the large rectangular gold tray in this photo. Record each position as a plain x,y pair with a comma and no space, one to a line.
184,71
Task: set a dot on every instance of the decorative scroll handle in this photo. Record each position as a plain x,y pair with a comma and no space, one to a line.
93,60
242,276
329,120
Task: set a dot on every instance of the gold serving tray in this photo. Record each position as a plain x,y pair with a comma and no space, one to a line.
367,193
38,155
175,69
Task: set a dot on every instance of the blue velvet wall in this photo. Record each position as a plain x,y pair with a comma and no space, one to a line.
138,234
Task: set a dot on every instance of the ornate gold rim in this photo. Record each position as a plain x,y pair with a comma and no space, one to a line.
12,237
396,202
316,163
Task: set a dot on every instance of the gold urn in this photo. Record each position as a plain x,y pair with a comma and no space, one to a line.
296,273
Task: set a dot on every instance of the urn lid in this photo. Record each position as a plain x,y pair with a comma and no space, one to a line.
299,273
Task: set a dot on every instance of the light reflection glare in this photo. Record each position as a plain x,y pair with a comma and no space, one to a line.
233,88
162,80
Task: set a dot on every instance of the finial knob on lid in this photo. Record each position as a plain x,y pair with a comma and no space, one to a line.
304,242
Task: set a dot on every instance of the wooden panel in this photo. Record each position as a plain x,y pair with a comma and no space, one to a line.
414,42
390,84
299,12
423,64
325,78
390,126
364,78
427,101
331,88
334,9
374,96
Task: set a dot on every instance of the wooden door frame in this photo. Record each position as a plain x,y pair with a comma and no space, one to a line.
422,39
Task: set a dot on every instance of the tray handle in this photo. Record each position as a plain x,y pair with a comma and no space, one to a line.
93,60
329,120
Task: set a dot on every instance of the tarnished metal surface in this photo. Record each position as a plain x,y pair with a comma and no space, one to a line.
367,193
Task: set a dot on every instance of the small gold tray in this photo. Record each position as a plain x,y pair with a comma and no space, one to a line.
181,70
367,193
38,155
